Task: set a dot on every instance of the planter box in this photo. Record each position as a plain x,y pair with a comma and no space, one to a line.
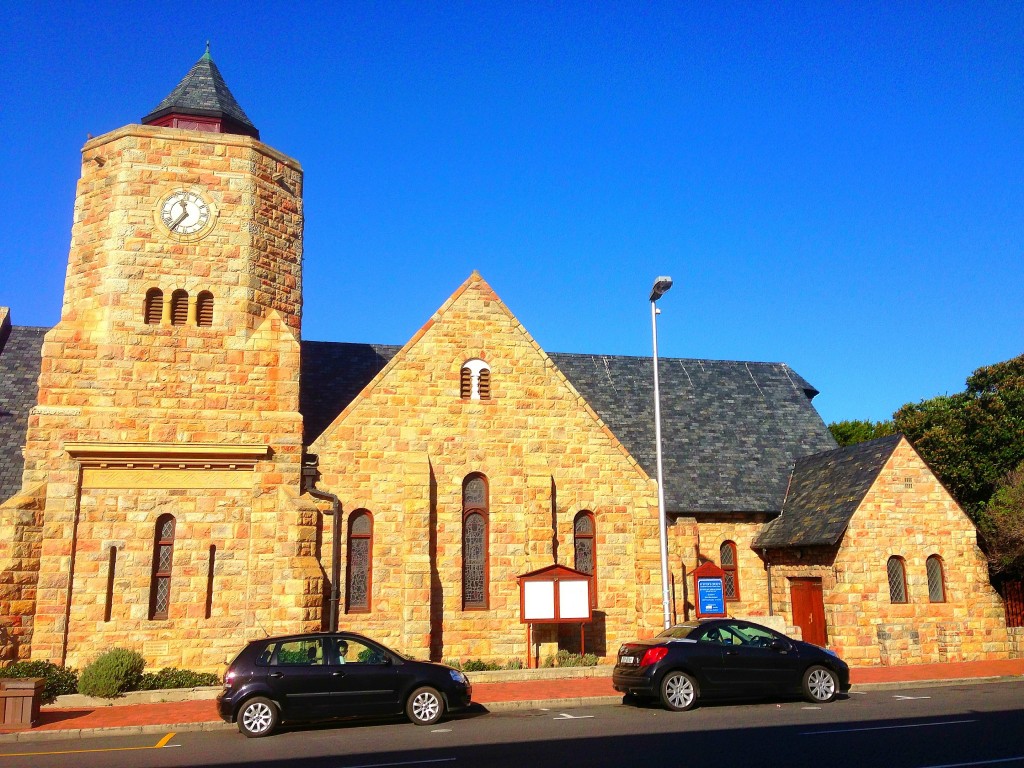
19,702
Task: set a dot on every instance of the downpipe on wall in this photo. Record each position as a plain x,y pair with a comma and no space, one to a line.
310,474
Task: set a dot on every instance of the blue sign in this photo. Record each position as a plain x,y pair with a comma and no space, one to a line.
710,597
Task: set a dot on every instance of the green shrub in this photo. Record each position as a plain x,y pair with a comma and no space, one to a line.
59,680
169,677
514,664
479,665
566,659
112,673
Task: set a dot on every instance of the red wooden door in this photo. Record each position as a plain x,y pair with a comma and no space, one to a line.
809,609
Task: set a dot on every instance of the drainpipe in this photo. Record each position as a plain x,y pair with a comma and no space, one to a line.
310,474
768,568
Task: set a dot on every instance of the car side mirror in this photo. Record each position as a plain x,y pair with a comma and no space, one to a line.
780,646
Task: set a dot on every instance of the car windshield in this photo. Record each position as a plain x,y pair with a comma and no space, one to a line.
677,632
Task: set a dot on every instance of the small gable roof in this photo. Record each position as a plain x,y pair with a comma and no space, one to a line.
20,363
825,491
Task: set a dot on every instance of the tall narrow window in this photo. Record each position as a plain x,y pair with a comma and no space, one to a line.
897,571
936,579
111,568
163,559
584,533
727,554
179,307
154,310
204,309
209,580
360,562
475,380
474,543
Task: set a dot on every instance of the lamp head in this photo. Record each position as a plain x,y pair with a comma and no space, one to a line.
661,285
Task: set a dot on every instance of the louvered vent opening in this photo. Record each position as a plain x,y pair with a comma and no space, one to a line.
154,306
466,384
179,308
204,310
485,384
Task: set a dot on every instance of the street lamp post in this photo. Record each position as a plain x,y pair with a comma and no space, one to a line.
661,285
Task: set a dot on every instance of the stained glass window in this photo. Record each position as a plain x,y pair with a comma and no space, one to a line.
360,561
585,549
163,561
474,542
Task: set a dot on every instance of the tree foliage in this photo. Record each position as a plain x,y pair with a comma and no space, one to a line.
1003,526
972,439
859,431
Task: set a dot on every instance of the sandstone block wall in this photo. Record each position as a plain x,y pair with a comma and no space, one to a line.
403,449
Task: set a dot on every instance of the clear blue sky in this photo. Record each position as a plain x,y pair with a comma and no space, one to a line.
837,186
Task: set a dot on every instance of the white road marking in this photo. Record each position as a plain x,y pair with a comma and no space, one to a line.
810,707
408,762
900,697
442,730
886,727
566,716
1000,761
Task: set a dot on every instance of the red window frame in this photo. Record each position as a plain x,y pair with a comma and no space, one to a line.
732,568
354,518
161,575
592,536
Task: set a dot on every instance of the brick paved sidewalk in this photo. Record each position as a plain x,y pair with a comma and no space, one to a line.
202,714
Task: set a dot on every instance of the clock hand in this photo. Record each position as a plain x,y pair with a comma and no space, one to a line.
184,215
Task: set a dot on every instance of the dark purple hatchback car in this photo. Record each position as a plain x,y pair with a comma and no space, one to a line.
300,678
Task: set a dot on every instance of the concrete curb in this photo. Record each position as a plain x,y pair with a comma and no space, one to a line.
60,734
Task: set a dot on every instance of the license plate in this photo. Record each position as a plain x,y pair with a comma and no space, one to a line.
628,659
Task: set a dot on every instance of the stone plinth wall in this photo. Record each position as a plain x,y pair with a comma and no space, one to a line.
404,447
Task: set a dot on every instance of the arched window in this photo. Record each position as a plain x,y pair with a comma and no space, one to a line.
727,557
204,309
475,380
360,562
154,310
163,559
584,536
897,571
474,543
179,307
936,579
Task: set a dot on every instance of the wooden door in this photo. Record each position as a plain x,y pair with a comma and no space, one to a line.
809,609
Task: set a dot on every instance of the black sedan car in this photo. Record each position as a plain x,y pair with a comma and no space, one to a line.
319,676
727,658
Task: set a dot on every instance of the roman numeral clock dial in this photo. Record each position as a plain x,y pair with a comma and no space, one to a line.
186,215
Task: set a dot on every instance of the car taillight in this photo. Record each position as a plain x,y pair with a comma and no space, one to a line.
229,678
653,656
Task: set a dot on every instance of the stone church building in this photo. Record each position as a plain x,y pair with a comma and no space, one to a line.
153,445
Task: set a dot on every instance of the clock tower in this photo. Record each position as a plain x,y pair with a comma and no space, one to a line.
165,449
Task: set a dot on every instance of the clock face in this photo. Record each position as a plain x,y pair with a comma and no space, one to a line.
186,214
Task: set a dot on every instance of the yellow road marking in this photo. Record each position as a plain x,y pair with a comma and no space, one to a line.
159,745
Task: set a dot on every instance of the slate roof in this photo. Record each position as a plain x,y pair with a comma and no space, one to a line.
825,491
731,430
202,92
20,361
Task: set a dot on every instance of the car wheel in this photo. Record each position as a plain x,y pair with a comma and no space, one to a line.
425,706
258,717
820,685
678,691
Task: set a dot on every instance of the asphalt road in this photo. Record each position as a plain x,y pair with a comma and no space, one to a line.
950,726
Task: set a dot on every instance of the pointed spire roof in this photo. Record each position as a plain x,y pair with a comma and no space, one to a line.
202,101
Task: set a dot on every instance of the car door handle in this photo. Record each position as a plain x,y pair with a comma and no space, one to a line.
274,674
731,653
339,673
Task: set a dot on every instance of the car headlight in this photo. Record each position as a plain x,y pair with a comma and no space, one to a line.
830,652
458,677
